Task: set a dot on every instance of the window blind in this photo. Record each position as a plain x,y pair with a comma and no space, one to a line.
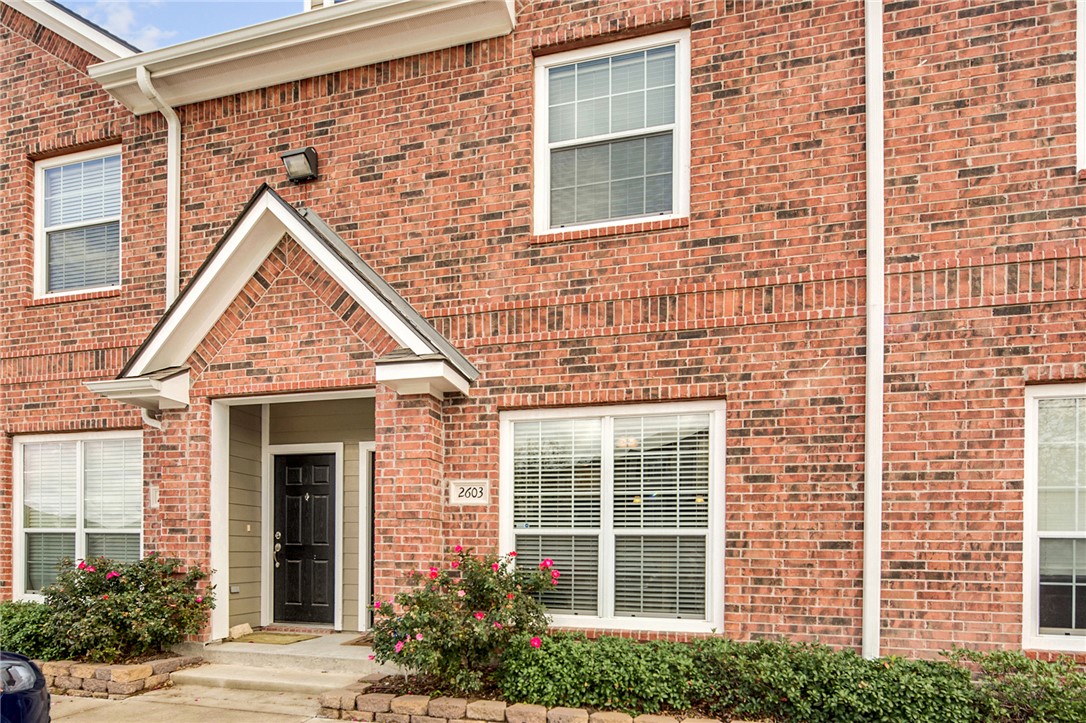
113,484
556,474
83,191
121,547
611,178
576,557
49,485
44,550
660,576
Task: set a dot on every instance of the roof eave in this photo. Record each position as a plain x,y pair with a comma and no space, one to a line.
325,40
74,29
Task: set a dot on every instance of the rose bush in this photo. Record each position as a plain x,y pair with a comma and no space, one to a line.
461,617
109,611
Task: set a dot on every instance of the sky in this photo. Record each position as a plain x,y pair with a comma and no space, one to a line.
150,24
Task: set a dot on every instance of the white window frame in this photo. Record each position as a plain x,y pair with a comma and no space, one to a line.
681,139
1032,638
19,531
714,582
41,247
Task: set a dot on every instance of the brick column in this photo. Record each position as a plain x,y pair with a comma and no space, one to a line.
408,488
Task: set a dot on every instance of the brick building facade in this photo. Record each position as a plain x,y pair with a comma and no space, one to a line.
657,378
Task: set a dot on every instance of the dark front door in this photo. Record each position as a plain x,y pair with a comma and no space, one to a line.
305,537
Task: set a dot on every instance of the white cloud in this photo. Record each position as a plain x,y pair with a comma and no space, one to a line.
126,19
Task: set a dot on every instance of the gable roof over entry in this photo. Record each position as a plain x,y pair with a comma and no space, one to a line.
156,378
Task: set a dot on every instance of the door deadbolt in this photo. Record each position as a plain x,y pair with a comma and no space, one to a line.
278,534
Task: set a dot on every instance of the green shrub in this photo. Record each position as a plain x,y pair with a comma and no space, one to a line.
1018,688
25,629
610,673
809,682
108,611
460,618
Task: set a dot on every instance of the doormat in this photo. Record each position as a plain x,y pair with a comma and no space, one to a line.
274,638
365,639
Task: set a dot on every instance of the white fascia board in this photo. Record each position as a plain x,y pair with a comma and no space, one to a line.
435,378
152,394
216,286
200,308
329,39
71,29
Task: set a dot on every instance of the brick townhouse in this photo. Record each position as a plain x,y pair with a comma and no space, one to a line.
760,318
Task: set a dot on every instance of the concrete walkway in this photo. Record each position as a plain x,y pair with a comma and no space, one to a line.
191,704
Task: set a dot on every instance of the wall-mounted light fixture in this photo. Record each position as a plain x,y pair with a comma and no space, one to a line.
301,164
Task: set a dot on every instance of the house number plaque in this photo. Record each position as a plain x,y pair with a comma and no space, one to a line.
469,492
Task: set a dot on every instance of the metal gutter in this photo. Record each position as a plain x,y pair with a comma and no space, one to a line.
876,312
173,182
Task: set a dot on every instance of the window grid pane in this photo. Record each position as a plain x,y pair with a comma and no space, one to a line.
83,191
660,577
84,257
44,550
620,178
576,557
113,484
556,474
1062,599
49,485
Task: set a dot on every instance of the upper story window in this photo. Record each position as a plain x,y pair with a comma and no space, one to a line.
76,496
627,501
1055,507
612,133
78,222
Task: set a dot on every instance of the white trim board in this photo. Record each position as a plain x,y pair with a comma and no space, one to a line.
365,532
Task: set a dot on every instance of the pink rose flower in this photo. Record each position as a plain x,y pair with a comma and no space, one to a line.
479,615
372,657
460,593
377,605
494,567
458,548
455,564
513,554
399,645
554,581
112,574
433,573
418,636
555,574
535,642
90,568
499,626
547,562
199,598
81,566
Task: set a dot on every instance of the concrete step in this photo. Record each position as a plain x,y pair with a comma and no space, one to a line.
294,681
324,653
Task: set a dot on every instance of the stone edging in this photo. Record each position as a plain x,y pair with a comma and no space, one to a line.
347,704
116,682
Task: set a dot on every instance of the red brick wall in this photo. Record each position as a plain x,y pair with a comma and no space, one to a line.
426,169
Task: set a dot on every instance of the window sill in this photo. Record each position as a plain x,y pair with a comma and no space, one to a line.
643,625
581,234
75,296
1056,643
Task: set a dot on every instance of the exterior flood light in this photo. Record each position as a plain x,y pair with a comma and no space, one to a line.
301,164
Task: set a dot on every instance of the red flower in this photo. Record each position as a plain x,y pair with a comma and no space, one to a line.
513,554
458,548
547,562
510,596
535,642
105,597
433,573
479,615
494,567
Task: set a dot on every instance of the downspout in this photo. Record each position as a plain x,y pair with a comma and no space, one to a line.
876,309
173,183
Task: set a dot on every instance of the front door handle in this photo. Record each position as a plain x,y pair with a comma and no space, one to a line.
275,551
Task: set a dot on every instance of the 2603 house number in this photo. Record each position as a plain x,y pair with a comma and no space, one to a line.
469,492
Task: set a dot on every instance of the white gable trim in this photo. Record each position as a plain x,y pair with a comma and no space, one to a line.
86,36
230,268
